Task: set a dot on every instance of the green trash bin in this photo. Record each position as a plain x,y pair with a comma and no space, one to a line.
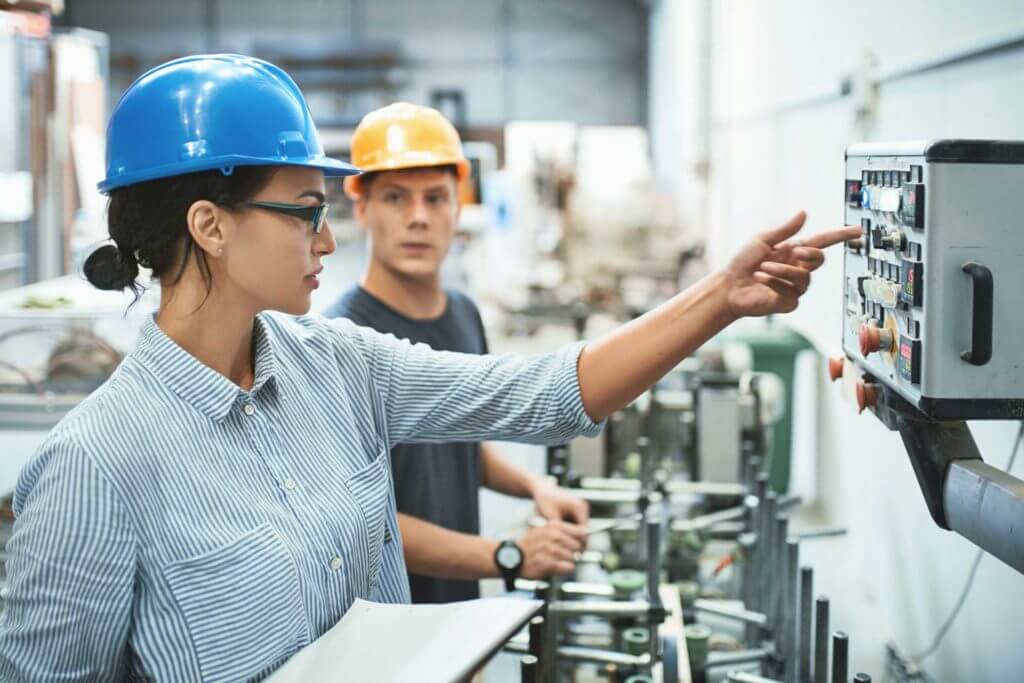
774,347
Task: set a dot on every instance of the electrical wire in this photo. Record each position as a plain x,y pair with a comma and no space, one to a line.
970,577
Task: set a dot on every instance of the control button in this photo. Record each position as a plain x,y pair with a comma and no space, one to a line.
909,360
248,409
290,484
835,367
853,193
911,211
865,198
867,396
915,174
873,339
893,240
336,563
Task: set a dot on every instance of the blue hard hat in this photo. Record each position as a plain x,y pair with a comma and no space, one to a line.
211,112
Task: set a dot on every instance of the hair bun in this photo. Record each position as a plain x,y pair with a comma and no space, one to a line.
110,268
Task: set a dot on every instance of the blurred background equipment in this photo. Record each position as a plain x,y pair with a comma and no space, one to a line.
619,150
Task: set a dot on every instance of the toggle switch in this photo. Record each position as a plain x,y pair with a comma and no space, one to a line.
867,396
835,367
874,338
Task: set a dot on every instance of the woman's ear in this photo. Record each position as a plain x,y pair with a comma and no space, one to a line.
208,224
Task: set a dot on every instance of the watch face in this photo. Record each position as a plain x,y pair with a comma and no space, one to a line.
509,556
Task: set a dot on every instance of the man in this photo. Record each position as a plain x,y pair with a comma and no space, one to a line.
408,203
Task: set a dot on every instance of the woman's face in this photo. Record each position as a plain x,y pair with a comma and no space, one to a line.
272,260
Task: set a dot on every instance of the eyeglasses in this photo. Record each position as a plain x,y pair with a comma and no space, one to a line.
314,214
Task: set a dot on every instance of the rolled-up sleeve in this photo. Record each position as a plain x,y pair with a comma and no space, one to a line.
70,573
442,396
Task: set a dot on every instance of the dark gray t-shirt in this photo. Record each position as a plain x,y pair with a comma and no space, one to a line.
436,482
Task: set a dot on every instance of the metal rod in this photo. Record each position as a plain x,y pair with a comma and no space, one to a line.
653,559
537,636
820,533
710,519
572,653
747,576
705,488
840,657
768,554
862,678
779,534
746,616
528,669
821,640
624,608
549,641
717,659
804,638
789,607
985,506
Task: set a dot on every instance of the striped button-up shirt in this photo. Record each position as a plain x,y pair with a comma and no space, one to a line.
177,527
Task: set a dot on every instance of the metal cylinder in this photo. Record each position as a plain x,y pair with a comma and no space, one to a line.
804,637
653,558
862,678
983,504
779,534
528,669
537,636
840,657
746,543
768,555
821,640
753,468
790,625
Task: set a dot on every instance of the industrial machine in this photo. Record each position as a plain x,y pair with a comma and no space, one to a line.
690,572
931,323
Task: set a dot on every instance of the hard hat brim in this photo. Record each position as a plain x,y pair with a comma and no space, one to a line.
332,168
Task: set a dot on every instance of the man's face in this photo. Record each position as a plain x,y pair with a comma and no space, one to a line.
411,216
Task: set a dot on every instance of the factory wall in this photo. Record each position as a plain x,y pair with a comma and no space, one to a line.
527,59
777,128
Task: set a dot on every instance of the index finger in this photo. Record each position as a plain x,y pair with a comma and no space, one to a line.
784,231
579,532
830,237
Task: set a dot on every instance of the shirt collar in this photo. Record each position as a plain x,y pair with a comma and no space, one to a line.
197,384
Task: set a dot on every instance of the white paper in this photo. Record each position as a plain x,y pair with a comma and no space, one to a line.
423,643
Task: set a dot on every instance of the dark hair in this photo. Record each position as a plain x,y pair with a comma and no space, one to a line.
367,179
147,222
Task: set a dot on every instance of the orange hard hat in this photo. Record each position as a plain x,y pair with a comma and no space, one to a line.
404,135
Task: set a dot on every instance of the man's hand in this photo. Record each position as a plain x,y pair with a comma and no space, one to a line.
771,272
549,549
555,504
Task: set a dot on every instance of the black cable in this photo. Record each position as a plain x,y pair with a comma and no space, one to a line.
970,577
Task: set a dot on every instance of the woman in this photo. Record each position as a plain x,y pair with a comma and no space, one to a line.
225,496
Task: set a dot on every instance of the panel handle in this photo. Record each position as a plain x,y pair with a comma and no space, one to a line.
980,352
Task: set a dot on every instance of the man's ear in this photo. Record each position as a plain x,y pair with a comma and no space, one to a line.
359,211
208,226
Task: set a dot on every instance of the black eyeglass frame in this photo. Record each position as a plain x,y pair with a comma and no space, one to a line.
314,214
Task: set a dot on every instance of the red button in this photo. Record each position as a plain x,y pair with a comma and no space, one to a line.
867,396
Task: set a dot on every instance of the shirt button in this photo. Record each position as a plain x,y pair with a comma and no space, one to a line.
248,409
336,563
290,484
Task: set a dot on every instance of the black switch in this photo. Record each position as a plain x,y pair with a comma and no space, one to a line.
877,234
853,193
909,359
912,205
912,283
865,177
915,174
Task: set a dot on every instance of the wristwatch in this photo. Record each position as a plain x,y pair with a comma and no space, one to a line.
509,560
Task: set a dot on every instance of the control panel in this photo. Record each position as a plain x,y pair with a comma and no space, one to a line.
933,295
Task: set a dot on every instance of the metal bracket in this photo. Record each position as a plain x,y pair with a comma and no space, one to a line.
931,444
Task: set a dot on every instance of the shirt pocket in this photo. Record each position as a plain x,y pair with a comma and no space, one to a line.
370,487
242,604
